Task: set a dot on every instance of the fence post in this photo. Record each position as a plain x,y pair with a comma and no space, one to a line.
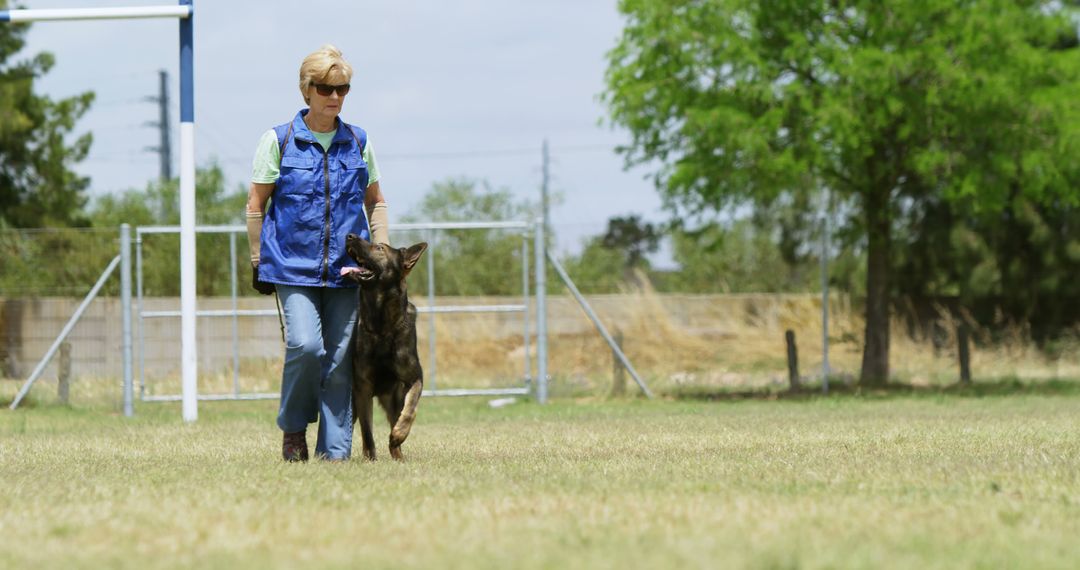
11,318
964,353
234,293
541,313
527,302
792,360
431,306
618,380
125,312
63,377
139,313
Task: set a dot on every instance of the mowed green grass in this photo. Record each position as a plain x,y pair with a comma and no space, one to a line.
849,482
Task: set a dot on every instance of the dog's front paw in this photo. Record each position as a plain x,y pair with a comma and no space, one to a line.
400,432
396,439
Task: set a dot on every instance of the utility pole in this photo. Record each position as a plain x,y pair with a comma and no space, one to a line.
825,292
163,149
544,190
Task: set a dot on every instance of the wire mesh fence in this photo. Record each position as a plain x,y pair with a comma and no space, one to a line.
680,342
44,274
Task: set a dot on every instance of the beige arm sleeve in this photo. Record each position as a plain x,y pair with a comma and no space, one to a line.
380,223
254,231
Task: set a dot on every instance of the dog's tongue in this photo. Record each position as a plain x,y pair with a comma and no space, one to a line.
347,270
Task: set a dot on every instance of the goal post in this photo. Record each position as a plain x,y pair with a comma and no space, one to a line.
184,12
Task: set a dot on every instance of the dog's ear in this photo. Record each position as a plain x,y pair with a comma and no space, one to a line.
412,255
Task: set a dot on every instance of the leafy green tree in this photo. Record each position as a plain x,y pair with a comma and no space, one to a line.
597,269
890,105
633,239
37,186
1019,265
158,204
55,261
617,258
471,262
740,257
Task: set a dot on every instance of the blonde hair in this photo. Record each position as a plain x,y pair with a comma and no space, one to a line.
321,66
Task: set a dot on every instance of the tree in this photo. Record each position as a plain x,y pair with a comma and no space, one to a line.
740,257
892,106
37,186
632,238
158,204
1036,258
617,257
597,269
471,262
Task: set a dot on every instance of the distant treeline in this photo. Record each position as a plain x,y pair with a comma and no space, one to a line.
1016,268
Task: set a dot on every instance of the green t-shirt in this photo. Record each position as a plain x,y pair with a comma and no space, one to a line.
264,169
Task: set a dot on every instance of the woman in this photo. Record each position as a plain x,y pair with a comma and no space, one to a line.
322,176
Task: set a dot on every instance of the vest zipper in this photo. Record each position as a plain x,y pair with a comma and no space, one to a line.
326,225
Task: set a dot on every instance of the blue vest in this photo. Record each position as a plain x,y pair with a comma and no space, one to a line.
319,199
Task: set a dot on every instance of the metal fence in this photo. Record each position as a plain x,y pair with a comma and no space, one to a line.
149,312
149,330
476,344
40,266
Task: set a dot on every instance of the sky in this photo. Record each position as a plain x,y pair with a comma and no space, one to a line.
469,88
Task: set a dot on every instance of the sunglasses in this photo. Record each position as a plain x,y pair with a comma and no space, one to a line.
325,90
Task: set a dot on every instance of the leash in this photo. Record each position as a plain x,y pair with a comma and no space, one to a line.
277,303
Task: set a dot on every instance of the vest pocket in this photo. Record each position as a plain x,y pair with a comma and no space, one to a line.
353,180
353,163
296,188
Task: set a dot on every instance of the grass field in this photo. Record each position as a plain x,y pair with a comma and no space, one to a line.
906,481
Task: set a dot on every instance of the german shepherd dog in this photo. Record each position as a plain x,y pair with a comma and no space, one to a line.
385,363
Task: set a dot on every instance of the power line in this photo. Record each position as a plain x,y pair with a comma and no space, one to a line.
494,152
117,102
116,158
467,153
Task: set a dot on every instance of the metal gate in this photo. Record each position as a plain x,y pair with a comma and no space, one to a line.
525,231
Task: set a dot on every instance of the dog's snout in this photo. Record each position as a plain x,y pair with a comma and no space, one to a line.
351,236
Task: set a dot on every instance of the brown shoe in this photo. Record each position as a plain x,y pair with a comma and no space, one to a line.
294,447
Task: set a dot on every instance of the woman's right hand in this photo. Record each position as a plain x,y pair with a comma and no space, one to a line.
260,286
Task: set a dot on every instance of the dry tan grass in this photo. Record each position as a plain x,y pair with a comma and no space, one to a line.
729,342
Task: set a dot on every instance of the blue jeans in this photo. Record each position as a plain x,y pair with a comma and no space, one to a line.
317,380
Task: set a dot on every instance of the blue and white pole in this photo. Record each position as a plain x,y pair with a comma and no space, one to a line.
188,360
96,13
185,13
